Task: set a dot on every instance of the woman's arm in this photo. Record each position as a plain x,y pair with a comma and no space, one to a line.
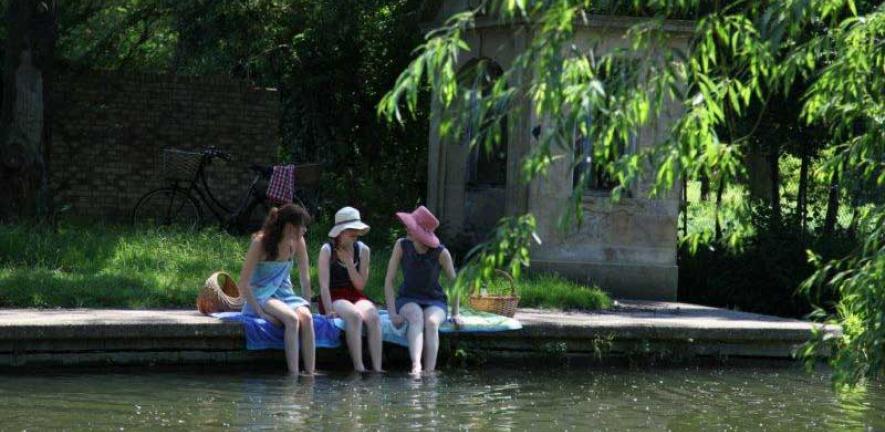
252,257
358,276
323,275
303,267
445,260
448,267
389,295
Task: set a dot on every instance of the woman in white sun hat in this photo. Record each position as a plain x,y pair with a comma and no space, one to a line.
343,271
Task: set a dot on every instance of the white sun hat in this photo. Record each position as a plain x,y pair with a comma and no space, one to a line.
348,218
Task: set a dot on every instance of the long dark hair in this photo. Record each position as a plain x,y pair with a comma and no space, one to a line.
277,218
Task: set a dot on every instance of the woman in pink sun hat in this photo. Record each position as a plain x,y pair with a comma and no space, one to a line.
421,300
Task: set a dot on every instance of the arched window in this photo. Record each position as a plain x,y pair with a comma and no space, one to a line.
485,168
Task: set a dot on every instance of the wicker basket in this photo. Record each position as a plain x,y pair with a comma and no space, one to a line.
180,165
219,294
502,305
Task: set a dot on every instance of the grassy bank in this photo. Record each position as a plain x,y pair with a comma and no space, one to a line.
104,266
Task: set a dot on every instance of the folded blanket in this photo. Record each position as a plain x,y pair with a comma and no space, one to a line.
262,335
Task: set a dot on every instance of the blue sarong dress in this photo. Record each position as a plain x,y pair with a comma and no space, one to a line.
272,279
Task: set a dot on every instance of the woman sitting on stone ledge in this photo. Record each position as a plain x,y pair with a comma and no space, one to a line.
266,284
343,270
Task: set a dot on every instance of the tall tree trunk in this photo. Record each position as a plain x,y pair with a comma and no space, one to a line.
774,169
832,206
719,192
705,188
684,205
31,33
803,188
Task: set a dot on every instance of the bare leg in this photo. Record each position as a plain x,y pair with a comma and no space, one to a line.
307,339
373,331
353,320
415,335
433,317
282,312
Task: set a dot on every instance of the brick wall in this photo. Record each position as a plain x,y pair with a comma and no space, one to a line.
108,130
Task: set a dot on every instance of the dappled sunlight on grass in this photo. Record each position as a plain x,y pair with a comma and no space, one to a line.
110,266
554,291
121,266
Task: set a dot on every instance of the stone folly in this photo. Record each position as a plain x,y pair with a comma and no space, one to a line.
628,248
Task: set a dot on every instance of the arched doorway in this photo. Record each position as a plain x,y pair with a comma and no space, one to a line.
485,173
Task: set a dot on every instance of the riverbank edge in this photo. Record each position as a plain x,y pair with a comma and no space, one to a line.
635,331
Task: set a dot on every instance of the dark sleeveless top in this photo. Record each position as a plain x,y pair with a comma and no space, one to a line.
421,273
338,276
340,285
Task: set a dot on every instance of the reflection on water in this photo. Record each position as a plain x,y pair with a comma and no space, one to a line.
689,399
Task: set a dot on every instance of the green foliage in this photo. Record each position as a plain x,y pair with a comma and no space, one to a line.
848,98
506,250
859,279
761,276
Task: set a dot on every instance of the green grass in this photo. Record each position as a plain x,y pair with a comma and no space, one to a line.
102,266
555,292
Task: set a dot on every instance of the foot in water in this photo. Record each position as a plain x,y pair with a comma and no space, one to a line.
416,370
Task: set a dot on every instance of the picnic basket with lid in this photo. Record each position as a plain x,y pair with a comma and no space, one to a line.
503,304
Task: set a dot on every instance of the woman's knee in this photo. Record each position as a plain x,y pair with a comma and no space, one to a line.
290,320
348,313
370,317
413,314
432,322
303,316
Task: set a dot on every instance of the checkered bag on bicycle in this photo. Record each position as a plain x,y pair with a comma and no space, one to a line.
282,184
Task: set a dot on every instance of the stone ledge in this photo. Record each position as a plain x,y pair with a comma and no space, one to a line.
131,337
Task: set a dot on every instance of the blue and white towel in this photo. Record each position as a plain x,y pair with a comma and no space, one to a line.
471,322
262,335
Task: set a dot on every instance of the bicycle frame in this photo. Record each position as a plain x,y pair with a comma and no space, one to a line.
205,196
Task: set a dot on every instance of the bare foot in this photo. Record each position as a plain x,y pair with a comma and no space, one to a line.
361,369
416,370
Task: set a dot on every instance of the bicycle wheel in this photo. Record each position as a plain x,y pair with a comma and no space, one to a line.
167,206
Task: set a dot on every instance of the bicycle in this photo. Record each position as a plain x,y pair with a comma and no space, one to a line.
181,201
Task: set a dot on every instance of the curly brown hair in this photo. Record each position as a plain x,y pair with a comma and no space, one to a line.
277,218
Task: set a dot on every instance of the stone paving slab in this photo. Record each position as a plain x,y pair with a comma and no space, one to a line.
74,336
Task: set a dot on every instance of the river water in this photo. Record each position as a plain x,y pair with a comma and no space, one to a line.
717,398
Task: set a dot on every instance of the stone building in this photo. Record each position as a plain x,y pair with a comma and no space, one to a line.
628,249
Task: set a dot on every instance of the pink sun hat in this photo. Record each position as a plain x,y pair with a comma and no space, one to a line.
421,223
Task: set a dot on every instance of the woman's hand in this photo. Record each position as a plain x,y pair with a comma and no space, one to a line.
345,255
457,320
397,319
